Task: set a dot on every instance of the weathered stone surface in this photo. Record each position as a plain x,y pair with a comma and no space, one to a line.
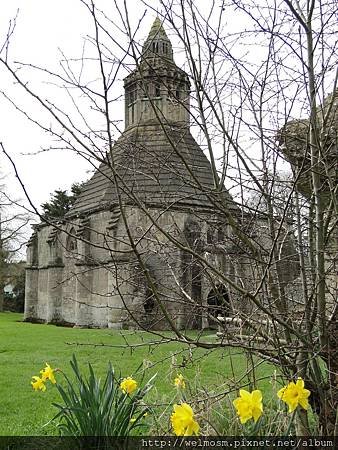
156,181
294,141
152,165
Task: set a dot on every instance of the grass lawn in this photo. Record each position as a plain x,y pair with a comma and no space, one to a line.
25,347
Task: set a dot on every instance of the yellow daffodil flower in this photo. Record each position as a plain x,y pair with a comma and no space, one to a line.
38,384
179,381
295,394
249,405
182,420
48,374
128,385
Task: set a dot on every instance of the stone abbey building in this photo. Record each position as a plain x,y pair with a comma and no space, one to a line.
119,258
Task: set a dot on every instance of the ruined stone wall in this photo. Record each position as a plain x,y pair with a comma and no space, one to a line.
88,274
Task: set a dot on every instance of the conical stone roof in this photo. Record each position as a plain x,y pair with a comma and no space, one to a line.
157,167
157,31
156,164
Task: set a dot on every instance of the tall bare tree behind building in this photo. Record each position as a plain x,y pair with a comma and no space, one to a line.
13,236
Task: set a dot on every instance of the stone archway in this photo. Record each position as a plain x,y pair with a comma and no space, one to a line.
218,304
149,302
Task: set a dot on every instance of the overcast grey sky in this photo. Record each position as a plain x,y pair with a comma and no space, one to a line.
43,28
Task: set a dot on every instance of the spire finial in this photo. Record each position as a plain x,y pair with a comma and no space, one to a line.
157,42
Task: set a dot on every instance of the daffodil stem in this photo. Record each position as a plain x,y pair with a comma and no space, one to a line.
291,422
255,428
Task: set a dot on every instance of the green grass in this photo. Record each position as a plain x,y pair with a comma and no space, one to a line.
25,347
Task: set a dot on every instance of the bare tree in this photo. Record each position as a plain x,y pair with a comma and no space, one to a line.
272,284
13,236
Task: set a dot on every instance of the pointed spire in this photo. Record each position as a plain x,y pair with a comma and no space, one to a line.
157,42
157,30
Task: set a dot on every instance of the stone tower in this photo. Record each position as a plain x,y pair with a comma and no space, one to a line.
120,258
158,89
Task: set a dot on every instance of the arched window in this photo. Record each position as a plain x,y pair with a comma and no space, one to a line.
192,232
131,101
157,90
71,243
146,87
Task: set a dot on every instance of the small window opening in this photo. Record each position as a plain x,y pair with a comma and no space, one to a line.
131,100
149,304
131,96
157,90
177,94
71,244
146,91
